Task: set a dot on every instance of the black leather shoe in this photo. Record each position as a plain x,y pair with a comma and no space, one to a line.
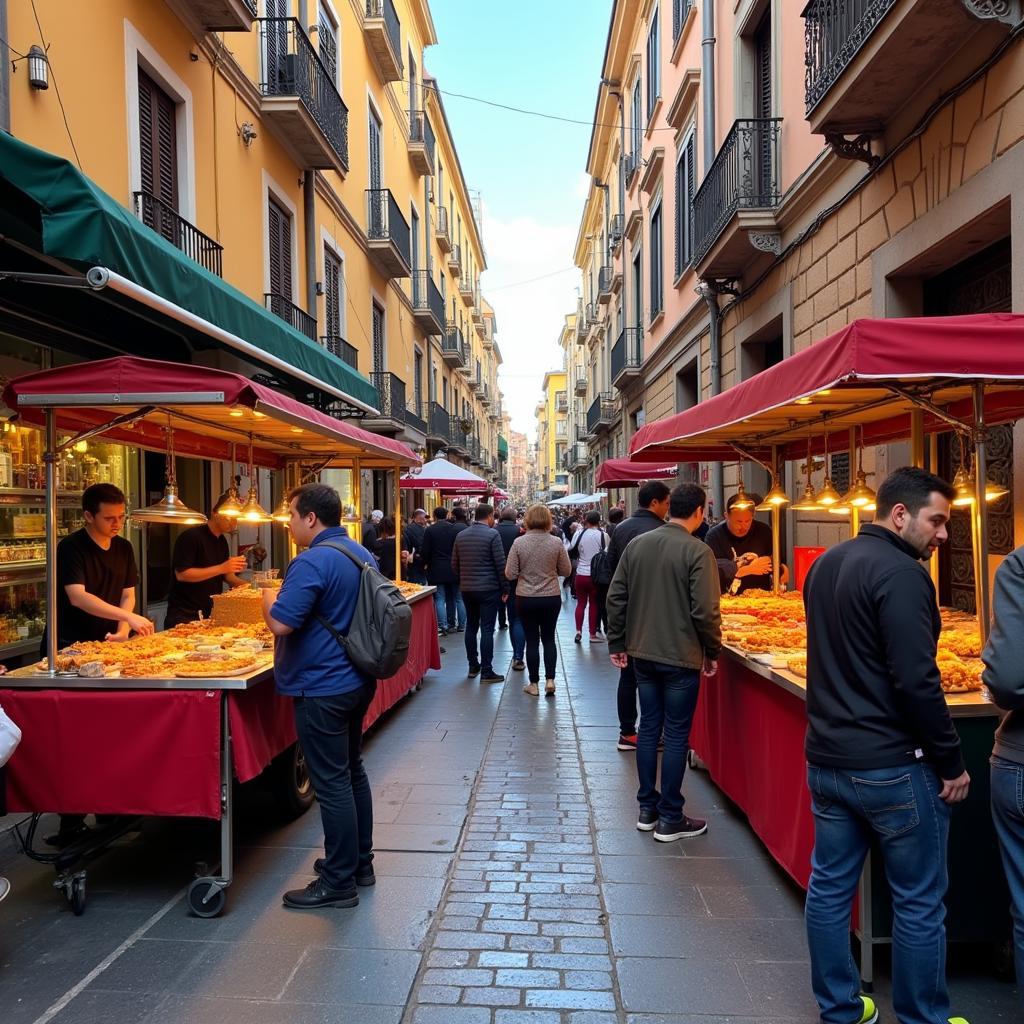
474,670
366,877
491,677
317,895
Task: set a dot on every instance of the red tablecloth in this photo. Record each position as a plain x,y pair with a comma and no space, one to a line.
750,734
158,751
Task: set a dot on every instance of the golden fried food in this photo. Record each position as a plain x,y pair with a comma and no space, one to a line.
798,666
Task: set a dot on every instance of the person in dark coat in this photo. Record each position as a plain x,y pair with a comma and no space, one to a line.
509,532
438,542
412,548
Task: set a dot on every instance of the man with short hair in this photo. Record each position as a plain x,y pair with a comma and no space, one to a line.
615,516
884,761
461,523
371,532
743,549
663,613
331,695
478,560
509,530
652,502
412,548
438,542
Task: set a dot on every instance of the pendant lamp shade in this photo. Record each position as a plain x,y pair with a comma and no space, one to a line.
252,512
742,500
170,509
775,498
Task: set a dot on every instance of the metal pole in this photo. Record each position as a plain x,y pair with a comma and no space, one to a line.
917,438
50,461
854,511
979,515
398,522
776,528
357,498
932,467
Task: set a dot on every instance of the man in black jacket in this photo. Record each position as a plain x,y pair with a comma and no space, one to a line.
478,561
508,531
653,501
438,542
883,756
412,548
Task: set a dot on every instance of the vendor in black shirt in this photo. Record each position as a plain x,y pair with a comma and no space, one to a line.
742,546
202,563
97,574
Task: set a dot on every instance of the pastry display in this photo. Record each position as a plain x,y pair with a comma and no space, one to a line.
242,605
408,589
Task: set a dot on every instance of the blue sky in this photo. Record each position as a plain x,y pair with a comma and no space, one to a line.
540,55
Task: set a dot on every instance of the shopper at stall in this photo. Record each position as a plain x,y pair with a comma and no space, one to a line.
386,547
509,532
586,543
652,502
1004,679
536,561
615,516
202,564
331,695
412,548
461,522
438,541
742,546
663,614
478,560
884,759
371,532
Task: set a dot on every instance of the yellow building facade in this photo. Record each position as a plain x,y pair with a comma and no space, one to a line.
552,435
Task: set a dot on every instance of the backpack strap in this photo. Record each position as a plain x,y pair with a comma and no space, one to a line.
342,640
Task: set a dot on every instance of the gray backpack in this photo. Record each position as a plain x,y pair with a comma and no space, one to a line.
378,639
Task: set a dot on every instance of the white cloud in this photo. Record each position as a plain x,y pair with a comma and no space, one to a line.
530,315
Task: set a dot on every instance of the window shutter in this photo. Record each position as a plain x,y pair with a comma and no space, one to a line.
332,293
158,143
280,251
691,191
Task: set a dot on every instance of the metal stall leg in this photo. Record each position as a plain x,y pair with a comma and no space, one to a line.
207,894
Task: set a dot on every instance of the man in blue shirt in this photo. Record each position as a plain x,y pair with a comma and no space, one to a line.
331,695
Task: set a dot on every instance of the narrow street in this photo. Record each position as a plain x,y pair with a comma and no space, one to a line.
512,889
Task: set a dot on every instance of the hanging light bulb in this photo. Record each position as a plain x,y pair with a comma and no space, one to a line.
807,502
742,500
775,498
170,508
231,506
860,495
828,495
994,491
283,512
252,511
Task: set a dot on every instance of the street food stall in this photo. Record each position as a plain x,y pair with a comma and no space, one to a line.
167,723
872,383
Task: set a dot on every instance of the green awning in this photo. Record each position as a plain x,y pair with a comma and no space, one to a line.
84,226
502,447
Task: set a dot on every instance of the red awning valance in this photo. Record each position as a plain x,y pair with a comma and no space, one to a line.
627,473
864,376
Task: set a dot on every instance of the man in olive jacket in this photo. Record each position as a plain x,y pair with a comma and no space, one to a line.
663,612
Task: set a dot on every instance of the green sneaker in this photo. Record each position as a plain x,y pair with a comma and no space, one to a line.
870,1014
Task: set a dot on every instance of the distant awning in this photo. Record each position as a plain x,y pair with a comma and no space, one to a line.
86,228
870,375
627,473
441,475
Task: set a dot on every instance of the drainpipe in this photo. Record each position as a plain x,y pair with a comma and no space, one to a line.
5,74
613,91
607,214
710,296
309,225
707,81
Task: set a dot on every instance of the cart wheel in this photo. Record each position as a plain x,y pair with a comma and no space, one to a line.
290,782
206,897
76,895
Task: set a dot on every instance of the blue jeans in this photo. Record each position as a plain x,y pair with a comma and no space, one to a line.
330,730
1008,815
481,614
515,625
668,698
900,806
449,606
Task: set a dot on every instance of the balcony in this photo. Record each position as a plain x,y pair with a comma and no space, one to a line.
627,357
383,33
601,414
441,231
342,349
390,403
169,224
576,457
738,198
616,229
579,387
582,434
581,323
300,100
453,348
455,260
291,314
439,425
485,396
630,164
387,233
561,401
458,435
413,417
473,446
427,303
466,289
223,15
421,142
604,285
866,58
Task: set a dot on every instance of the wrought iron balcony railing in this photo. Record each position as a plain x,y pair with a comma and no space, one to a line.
427,299
834,32
458,438
390,395
441,231
438,422
616,228
579,386
593,315
680,9
386,9
251,5
420,131
627,352
604,281
561,401
601,413
455,259
342,349
385,222
169,224
414,417
292,67
291,314
743,176
453,348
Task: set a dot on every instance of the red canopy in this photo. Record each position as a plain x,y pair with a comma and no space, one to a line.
864,376
209,409
441,475
627,473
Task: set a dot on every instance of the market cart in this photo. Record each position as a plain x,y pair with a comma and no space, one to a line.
164,745
872,383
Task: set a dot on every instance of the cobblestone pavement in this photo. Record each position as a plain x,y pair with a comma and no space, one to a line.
513,888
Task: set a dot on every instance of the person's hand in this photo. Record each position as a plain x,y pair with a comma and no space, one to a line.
619,660
758,567
954,791
504,598
234,565
140,624
710,666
